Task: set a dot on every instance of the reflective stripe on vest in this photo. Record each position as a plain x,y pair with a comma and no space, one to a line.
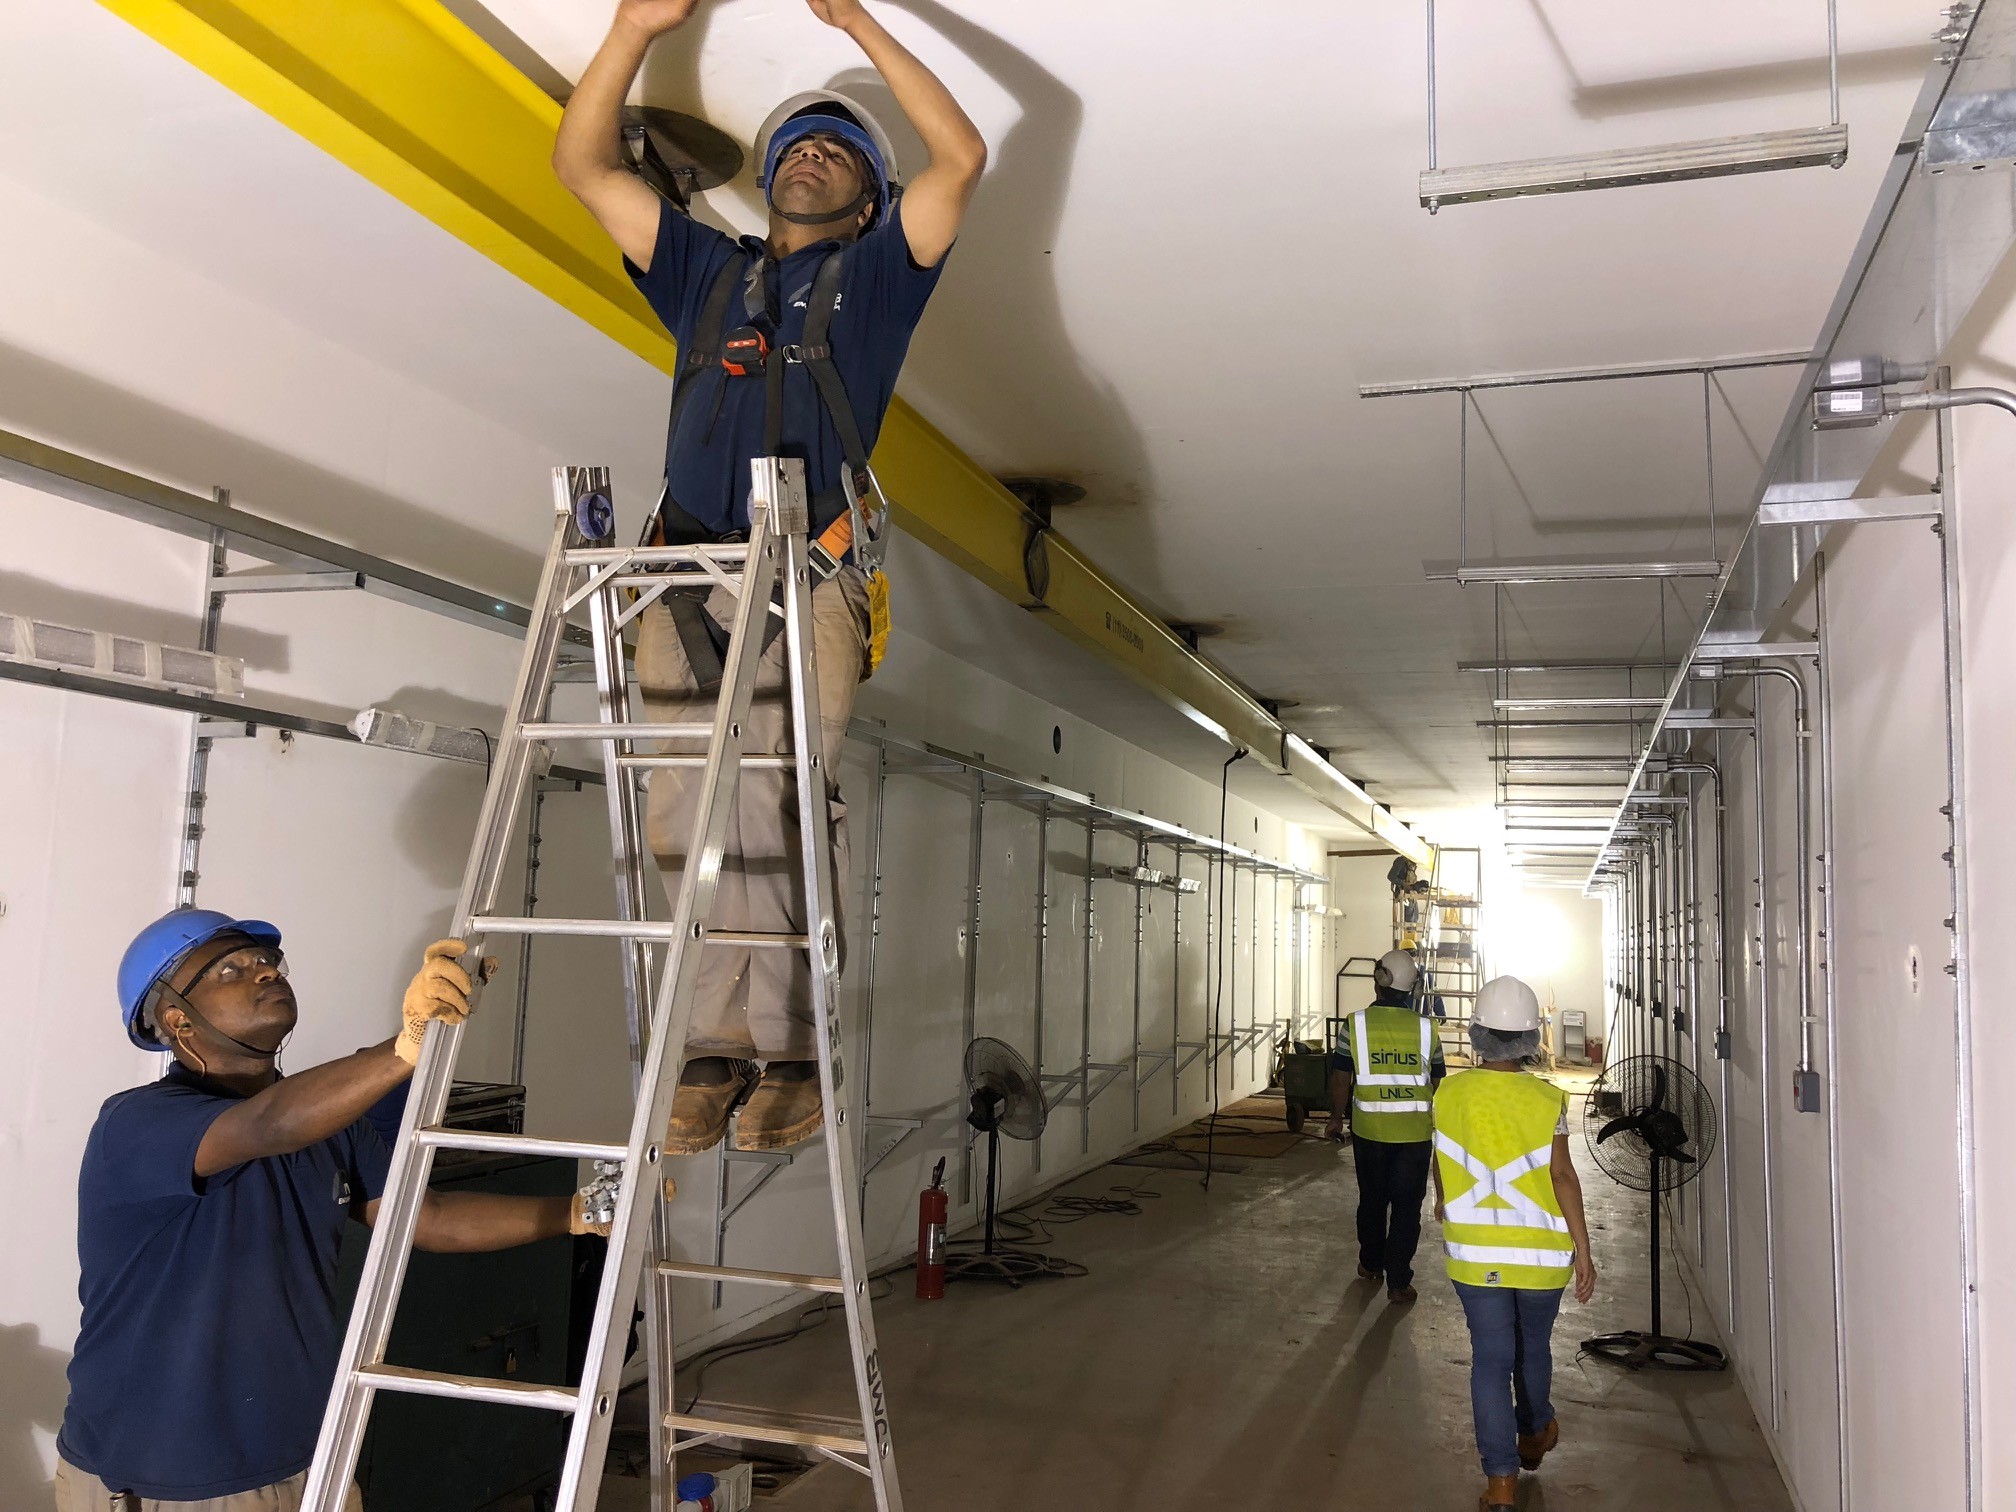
1395,1118
1520,1211
1493,1131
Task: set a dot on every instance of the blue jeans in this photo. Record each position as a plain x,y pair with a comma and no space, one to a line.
1509,1336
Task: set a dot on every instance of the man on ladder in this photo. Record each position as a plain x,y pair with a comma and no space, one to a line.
1383,1069
789,346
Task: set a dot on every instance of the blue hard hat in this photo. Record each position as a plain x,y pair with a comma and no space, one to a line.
161,946
828,119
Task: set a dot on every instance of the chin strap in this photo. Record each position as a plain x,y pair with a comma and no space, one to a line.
845,212
190,1008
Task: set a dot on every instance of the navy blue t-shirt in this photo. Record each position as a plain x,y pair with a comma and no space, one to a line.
882,297
210,1335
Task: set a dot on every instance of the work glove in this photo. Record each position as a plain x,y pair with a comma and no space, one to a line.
439,990
595,1204
594,1209
589,1218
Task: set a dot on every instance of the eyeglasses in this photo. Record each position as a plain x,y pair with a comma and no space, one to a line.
242,965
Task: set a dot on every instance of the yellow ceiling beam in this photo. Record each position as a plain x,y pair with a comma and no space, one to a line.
409,97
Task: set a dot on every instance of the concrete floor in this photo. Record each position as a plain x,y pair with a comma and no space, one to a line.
1220,1355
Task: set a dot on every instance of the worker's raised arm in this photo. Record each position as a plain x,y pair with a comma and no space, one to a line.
1568,1192
588,152
319,1103
934,202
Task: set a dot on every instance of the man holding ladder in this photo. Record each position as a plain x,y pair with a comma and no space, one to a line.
789,345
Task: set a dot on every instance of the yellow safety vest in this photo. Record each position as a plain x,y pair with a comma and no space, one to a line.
1494,1143
1391,1052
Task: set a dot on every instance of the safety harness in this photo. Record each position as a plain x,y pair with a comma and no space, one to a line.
846,520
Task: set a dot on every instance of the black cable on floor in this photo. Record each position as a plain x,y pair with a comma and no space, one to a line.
1029,1224
1027,1228
803,1321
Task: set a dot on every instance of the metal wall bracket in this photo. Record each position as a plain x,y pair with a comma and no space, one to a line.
1827,511
266,580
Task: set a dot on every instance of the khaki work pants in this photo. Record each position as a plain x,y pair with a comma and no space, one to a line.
80,1491
755,1004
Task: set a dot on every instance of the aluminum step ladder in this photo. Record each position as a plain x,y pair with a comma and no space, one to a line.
773,563
1452,960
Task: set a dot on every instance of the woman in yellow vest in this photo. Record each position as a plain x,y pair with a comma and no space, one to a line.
1511,1211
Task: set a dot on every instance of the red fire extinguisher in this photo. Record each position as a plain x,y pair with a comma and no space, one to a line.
931,1237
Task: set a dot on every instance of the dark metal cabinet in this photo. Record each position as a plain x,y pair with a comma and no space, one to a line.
503,1314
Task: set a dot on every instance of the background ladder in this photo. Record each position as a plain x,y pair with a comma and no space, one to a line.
659,998
1450,946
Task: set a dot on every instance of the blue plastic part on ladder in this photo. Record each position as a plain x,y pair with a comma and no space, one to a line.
595,515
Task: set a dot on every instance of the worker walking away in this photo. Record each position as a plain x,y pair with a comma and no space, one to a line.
789,345
209,1208
1383,1070
1510,1204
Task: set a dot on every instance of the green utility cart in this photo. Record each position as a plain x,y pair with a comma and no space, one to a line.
1305,1068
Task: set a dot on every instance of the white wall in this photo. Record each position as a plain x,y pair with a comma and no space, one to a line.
1869,1195
357,853
1358,886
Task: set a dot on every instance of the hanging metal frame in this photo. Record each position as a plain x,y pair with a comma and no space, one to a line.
1758,152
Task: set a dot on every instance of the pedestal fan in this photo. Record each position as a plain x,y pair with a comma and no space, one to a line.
1650,1125
1003,1096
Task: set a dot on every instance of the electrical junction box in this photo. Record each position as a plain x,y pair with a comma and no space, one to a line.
1806,1091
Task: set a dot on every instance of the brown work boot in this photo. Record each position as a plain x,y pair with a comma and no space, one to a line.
783,1110
1533,1447
1370,1275
709,1088
1401,1295
1500,1494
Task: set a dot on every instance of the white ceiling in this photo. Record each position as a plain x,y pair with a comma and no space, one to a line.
1197,238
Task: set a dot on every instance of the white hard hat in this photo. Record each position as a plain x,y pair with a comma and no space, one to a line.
1396,969
841,115
1507,1005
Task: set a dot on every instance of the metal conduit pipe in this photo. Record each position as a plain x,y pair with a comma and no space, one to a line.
1673,1004
1719,942
1961,966
1676,967
1802,868
1690,922
1764,1065
1825,941
1655,965
1945,399
1633,963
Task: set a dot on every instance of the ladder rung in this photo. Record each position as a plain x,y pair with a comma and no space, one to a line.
635,929
815,1430
753,1277
437,1138
719,552
469,1388
758,939
617,929
771,762
596,730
